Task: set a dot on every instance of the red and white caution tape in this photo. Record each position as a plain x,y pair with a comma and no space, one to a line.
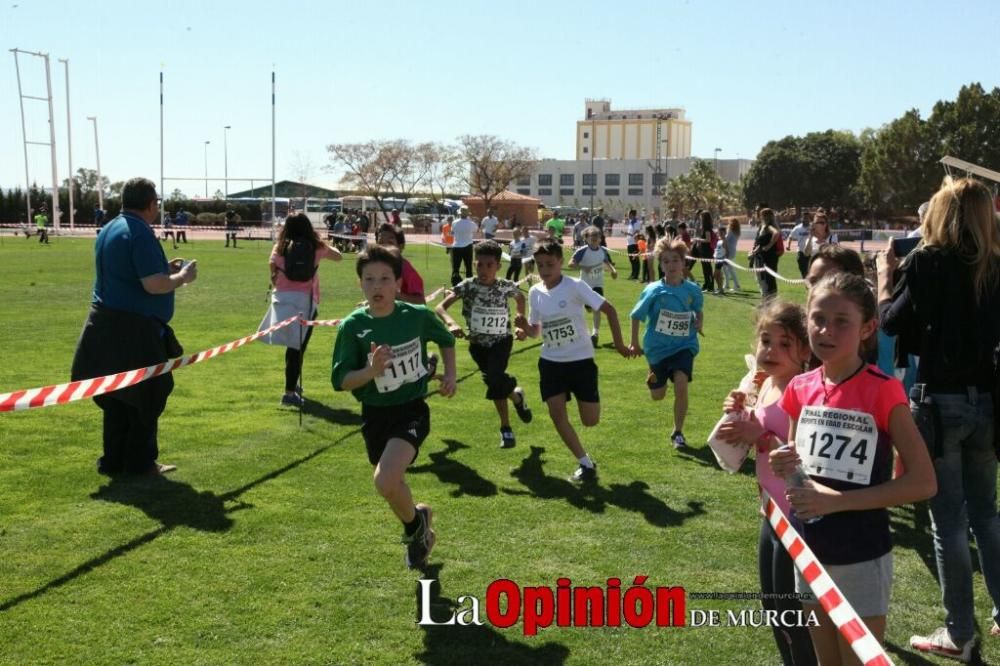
321,322
760,269
61,394
850,625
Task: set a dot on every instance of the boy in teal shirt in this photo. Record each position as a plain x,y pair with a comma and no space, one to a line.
672,310
381,357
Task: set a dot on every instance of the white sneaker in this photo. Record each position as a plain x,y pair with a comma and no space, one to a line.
941,644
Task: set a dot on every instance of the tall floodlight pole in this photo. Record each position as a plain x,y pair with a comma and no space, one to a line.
593,177
69,145
97,154
52,146
273,203
162,193
24,136
206,168
225,157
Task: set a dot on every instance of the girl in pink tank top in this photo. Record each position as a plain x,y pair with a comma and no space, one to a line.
782,351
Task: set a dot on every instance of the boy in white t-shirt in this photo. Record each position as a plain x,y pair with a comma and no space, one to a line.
566,366
592,259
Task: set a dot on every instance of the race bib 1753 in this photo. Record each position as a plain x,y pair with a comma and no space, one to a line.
559,332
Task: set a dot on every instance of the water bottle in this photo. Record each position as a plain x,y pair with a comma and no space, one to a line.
799,479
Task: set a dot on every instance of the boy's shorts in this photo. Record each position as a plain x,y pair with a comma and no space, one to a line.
665,369
410,421
865,585
597,290
572,378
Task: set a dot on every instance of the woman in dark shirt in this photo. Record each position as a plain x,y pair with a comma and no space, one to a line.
945,307
703,245
765,253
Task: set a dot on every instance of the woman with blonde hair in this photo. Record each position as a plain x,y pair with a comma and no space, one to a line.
945,307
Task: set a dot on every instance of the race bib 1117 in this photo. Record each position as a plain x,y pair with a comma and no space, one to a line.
406,367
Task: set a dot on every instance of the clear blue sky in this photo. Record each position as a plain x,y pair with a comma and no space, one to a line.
350,71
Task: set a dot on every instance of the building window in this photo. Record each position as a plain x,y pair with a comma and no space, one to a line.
545,191
612,179
545,180
586,135
635,179
611,193
524,190
588,192
566,179
586,150
524,181
659,179
589,179
566,192
635,191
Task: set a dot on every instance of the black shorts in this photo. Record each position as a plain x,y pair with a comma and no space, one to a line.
682,361
492,363
597,290
410,422
572,378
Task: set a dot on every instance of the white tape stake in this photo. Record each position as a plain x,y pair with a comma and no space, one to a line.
851,627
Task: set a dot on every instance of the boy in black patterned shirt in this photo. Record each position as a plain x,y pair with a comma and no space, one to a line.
484,306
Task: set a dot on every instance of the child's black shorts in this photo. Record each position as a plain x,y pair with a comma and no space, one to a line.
410,421
663,371
576,378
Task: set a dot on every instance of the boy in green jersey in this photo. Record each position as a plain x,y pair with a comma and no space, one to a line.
381,356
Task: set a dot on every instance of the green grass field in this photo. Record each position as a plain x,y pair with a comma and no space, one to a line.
270,545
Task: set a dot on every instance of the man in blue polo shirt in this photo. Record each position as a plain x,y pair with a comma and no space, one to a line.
127,329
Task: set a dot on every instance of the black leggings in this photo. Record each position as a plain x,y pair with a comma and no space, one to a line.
514,270
293,360
777,577
460,255
707,267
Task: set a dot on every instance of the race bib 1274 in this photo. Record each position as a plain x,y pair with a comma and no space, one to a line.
837,443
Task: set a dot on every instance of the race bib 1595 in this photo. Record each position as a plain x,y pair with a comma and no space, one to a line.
675,324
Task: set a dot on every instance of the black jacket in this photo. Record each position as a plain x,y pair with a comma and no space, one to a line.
936,316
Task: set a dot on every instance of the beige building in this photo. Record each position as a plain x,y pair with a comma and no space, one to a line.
631,134
615,185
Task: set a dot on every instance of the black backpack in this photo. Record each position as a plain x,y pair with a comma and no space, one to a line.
300,261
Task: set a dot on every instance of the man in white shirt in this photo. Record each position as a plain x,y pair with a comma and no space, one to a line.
463,232
633,226
489,225
800,234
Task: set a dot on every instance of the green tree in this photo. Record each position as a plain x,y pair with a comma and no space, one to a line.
493,164
899,164
969,127
820,168
701,188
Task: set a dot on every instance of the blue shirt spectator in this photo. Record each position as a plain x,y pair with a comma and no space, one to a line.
126,252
